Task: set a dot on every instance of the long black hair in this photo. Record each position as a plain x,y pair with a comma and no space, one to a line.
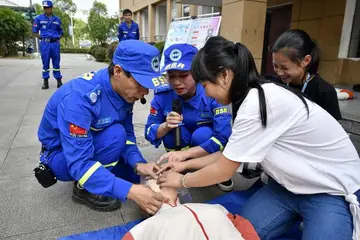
219,54
297,44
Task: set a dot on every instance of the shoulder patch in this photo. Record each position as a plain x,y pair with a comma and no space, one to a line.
93,95
221,110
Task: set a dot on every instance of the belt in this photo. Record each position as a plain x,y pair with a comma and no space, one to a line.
50,40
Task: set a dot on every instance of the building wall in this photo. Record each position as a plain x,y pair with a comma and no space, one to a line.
323,20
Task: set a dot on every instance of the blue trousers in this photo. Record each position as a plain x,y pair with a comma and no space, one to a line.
50,51
109,144
188,139
273,210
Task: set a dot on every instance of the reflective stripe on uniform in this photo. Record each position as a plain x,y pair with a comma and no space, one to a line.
96,130
172,150
88,173
129,142
204,122
148,130
217,142
47,70
56,69
110,164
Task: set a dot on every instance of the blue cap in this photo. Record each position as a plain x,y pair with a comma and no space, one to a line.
179,57
141,60
47,3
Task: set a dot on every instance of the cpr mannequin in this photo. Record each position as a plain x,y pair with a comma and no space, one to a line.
175,221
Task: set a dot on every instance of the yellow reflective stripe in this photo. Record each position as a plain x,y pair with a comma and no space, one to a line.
129,142
204,122
47,70
110,164
95,129
172,150
148,130
218,143
56,69
88,174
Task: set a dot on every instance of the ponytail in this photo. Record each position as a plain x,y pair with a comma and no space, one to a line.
313,66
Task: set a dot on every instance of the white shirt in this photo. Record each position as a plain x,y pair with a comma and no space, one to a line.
306,155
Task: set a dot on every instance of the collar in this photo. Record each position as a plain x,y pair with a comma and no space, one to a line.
196,100
116,100
131,24
168,205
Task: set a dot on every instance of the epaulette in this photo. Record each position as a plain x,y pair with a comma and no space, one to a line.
93,95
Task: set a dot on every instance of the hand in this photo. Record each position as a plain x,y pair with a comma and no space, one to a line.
177,156
173,119
146,198
172,166
148,169
170,179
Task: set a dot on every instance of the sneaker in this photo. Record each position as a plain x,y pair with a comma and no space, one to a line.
95,202
227,186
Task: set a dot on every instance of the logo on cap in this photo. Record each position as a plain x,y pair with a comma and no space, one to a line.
155,63
175,55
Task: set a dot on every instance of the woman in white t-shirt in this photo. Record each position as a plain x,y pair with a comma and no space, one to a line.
314,165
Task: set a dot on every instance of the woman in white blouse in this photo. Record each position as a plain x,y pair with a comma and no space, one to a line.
314,167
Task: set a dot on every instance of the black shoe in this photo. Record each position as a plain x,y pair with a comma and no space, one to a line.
93,201
46,84
251,170
227,186
59,83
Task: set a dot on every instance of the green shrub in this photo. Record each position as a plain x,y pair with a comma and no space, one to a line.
160,46
74,50
111,49
104,45
92,51
100,54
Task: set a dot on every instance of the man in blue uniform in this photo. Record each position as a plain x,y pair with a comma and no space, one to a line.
205,124
50,29
87,132
128,29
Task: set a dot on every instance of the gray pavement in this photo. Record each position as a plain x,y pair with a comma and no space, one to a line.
28,211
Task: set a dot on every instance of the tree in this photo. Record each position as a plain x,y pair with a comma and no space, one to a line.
80,30
13,28
98,24
113,26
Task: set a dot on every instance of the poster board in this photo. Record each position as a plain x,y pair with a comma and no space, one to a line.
192,31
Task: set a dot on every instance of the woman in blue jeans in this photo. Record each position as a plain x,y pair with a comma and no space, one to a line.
314,165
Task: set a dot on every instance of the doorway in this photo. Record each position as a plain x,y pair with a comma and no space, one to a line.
278,20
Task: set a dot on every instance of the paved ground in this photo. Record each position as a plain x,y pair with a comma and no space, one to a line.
27,211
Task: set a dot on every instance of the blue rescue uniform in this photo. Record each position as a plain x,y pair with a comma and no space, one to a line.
88,135
126,33
206,123
50,34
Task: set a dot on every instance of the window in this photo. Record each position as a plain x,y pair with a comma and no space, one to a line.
350,37
354,48
186,10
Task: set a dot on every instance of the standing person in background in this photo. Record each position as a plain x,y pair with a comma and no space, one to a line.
50,29
128,29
